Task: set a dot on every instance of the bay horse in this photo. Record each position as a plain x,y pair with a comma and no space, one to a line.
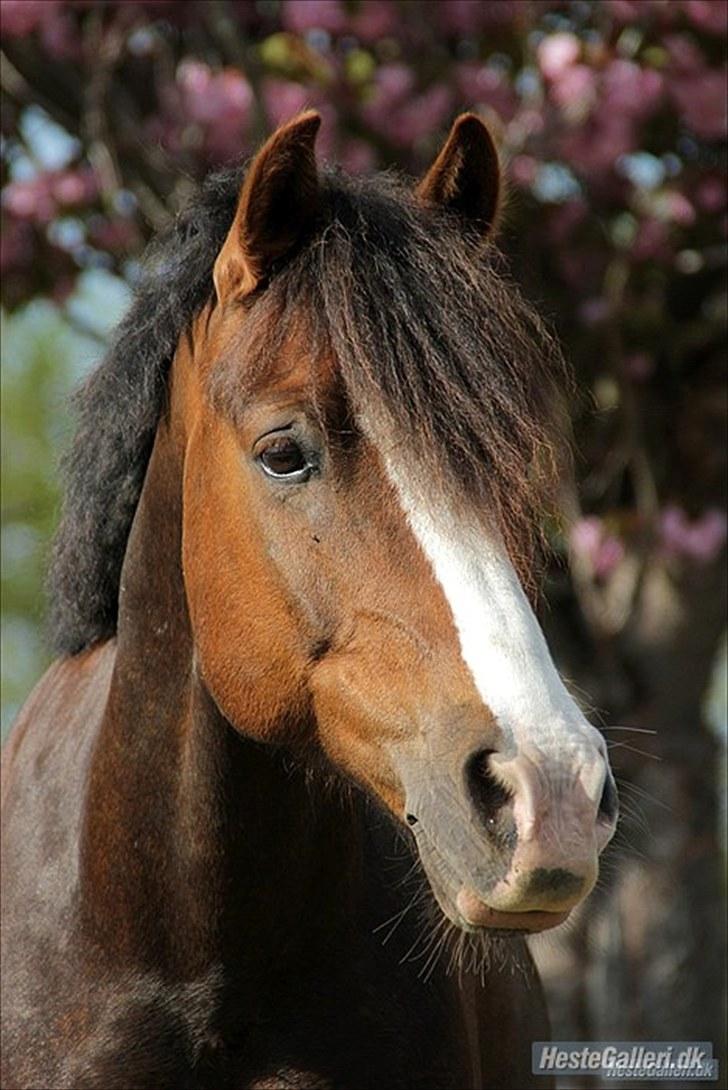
304,727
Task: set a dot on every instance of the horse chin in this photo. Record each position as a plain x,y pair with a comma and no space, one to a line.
470,912
476,914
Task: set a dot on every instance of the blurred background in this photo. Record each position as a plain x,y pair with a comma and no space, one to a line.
611,118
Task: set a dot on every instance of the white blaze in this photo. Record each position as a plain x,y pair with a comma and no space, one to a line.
501,641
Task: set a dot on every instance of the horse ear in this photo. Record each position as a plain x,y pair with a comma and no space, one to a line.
277,204
466,176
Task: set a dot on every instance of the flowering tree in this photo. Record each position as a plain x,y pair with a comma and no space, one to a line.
611,118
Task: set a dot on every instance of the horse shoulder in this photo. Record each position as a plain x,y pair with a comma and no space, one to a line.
44,771
60,715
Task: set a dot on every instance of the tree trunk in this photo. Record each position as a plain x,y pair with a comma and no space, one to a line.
645,960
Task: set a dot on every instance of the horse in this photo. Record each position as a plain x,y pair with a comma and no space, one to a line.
303,778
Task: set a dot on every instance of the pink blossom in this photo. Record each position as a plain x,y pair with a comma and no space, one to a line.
531,122
557,52
60,37
630,89
652,241
400,115
47,17
210,97
394,82
194,79
701,98
486,85
678,208
374,20
30,200
482,84
575,87
590,539
39,199
234,90
220,102
685,54
74,187
523,170
420,116
586,535
698,91
700,539
596,146
609,556
709,15
711,193
20,17
302,15
283,98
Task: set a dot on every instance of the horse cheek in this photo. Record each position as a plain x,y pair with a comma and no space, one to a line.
246,640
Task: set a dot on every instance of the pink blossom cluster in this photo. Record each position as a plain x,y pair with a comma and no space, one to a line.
50,19
368,22
399,111
484,84
216,105
708,15
698,90
700,539
41,198
602,104
591,540
610,117
604,100
377,18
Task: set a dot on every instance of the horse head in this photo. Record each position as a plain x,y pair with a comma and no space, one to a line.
367,429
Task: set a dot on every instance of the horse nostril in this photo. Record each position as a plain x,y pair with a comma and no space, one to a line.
488,794
609,802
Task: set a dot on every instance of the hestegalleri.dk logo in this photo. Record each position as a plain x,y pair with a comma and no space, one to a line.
679,1060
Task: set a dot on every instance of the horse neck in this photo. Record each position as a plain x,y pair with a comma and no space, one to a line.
199,847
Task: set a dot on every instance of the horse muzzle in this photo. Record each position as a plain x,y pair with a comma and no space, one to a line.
511,841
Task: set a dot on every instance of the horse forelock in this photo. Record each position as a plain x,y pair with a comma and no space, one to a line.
433,344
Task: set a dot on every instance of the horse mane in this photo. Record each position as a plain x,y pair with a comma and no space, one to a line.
424,324
118,409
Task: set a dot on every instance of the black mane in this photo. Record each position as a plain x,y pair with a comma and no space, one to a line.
421,326
118,410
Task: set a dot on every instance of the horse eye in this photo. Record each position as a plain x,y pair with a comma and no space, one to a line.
285,459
